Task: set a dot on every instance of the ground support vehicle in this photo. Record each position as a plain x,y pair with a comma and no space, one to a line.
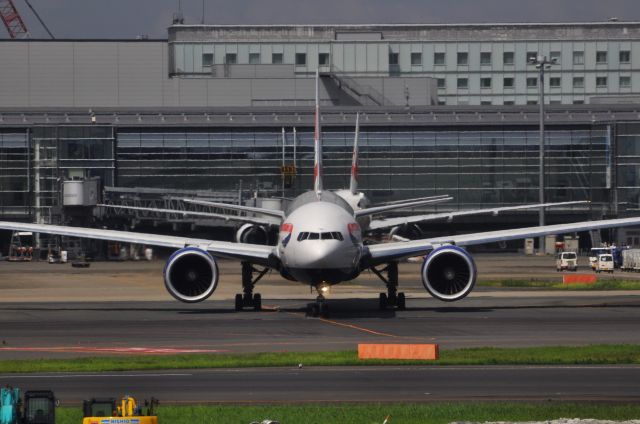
630,260
107,411
567,261
604,263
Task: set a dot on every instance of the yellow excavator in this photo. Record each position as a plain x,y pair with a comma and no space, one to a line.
127,411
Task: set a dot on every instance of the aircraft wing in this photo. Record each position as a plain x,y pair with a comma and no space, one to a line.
249,219
377,224
269,212
253,253
384,252
400,205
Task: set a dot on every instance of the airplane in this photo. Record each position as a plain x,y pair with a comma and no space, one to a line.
320,244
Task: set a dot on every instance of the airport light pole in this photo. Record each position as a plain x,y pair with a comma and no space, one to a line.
541,63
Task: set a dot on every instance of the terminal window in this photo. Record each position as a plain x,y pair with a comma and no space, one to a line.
532,82
463,83
625,81
578,58
254,58
301,59
439,58
442,83
578,82
555,57
555,82
508,58
207,59
508,82
231,58
323,59
532,56
601,82
485,82
625,56
416,59
277,58
601,57
485,58
463,59
394,58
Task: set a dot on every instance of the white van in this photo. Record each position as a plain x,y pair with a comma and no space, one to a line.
605,263
567,261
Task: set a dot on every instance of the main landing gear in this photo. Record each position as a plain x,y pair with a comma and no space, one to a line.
391,298
247,299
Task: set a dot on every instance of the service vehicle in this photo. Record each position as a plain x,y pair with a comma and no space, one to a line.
107,411
36,407
567,261
605,263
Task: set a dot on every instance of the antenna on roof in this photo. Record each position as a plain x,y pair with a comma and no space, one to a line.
178,17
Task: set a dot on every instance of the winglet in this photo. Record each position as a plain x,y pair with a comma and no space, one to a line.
317,164
353,185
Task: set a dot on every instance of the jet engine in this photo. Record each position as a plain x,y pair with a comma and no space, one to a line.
449,273
407,231
253,234
191,275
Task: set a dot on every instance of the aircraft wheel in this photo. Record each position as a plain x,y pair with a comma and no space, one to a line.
239,303
401,302
383,301
257,302
324,310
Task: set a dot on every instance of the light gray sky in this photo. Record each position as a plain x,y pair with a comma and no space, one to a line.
128,18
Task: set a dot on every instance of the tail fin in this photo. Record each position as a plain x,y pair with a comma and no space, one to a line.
353,185
317,165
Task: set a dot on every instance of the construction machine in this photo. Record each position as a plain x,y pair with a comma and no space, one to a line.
126,411
36,407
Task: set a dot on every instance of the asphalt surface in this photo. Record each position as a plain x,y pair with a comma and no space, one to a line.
348,384
505,319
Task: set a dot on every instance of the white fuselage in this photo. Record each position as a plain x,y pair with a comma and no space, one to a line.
320,241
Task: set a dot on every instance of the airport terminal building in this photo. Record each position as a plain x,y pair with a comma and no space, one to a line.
225,112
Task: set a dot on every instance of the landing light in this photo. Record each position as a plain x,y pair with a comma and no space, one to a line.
325,289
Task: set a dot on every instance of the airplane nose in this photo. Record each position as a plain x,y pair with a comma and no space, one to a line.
321,254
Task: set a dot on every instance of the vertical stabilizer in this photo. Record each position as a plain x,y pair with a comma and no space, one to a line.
353,185
317,142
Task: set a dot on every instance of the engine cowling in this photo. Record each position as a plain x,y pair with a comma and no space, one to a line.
253,234
191,275
449,273
407,231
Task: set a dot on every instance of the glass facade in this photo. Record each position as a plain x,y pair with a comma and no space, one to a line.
481,167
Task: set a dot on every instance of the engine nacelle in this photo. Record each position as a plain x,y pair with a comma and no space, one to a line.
407,231
252,234
191,275
449,273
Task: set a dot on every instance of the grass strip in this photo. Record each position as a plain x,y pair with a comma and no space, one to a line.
548,355
555,285
430,413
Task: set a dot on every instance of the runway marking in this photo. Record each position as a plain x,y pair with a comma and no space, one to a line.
120,350
355,327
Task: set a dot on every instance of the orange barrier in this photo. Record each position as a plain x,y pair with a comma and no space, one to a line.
579,279
398,351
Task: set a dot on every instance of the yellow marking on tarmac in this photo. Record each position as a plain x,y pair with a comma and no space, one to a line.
355,327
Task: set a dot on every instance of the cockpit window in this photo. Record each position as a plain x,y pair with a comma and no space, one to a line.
333,235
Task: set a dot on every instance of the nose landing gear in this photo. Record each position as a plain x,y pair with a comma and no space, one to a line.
248,299
319,308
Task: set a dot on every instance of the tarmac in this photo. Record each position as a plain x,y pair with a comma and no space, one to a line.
55,311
